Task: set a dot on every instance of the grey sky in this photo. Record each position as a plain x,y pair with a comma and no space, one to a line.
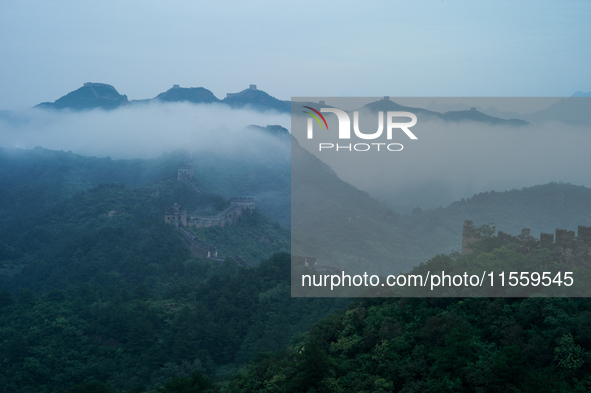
289,48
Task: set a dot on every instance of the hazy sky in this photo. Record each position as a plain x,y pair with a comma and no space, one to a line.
294,48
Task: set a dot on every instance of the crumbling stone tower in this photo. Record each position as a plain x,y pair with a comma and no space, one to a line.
176,216
185,171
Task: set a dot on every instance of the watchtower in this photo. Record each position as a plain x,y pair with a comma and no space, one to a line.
185,171
176,216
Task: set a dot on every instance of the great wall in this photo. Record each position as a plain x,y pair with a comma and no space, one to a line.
567,248
177,217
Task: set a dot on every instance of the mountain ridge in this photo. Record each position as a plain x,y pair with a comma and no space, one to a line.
94,95
104,96
89,96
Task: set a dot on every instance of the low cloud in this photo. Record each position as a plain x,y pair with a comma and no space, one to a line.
450,161
136,131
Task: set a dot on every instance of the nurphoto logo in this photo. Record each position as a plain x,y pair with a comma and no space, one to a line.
344,129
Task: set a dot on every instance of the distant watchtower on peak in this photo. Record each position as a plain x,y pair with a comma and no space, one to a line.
185,171
250,87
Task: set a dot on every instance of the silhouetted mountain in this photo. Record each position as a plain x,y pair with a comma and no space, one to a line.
571,110
256,99
89,96
462,115
336,222
386,104
474,115
100,95
197,95
581,94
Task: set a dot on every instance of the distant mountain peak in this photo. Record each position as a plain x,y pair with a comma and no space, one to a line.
102,85
250,88
197,95
257,99
471,114
582,94
101,95
90,96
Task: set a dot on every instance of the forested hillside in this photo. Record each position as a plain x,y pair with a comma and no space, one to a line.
436,345
542,208
98,294
112,235
199,315
35,180
444,344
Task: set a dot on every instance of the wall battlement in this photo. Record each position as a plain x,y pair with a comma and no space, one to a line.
567,247
250,87
177,217
185,175
198,247
226,217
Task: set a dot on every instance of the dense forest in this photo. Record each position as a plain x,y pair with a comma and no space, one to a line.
436,345
208,317
450,343
97,294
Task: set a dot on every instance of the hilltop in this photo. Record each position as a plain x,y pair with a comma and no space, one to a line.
460,115
101,95
104,96
84,246
257,99
89,96
196,95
